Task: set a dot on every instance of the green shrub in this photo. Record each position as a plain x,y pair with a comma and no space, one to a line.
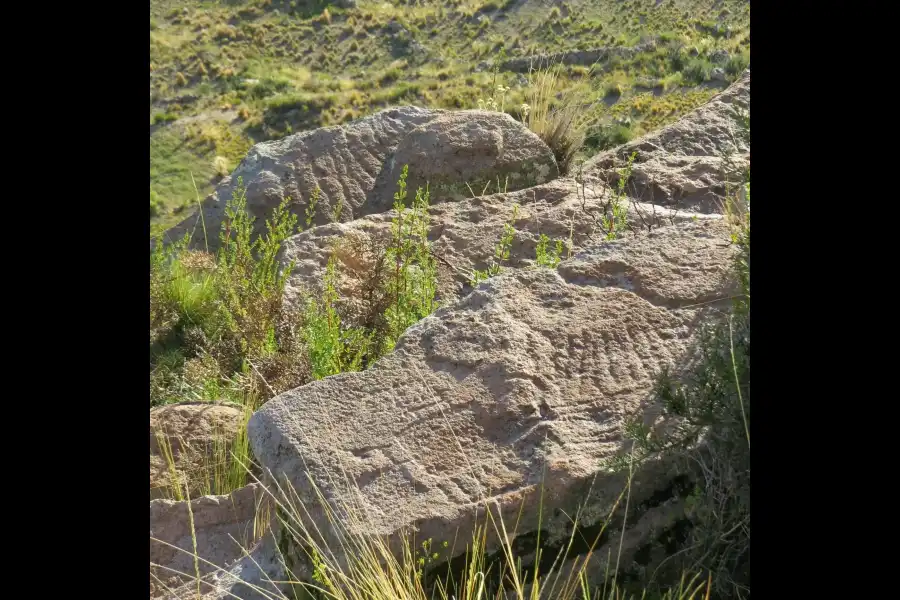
395,287
697,70
609,136
737,63
501,252
614,219
164,117
332,347
227,307
269,87
548,256
156,205
414,281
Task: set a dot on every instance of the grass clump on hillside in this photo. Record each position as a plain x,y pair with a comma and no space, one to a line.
563,124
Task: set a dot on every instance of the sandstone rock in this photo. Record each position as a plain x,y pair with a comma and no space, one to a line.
343,161
525,381
222,526
463,234
251,577
677,176
682,164
461,152
359,164
191,430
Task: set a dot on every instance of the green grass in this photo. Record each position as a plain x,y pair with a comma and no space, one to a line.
222,465
286,68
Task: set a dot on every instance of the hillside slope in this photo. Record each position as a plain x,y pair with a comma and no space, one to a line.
224,75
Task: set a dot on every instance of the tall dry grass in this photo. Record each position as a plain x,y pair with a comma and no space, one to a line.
561,118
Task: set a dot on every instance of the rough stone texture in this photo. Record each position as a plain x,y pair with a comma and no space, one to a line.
217,519
359,164
463,234
527,378
461,150
243,578
190,428
343,161
677,177
682,164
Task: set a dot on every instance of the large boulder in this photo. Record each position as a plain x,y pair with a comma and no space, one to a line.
191,431
463,235
524,382
459,154
358,165
343,161
678,176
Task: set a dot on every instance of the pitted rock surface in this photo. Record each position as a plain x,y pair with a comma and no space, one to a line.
528,378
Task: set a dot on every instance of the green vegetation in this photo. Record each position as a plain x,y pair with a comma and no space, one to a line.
545,255
413,283
217,323
501,252
226,75
398,289
614,220
219,327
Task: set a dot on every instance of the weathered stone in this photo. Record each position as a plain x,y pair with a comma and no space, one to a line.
525,381
688,163
460,153
463,234
223,526
342,161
